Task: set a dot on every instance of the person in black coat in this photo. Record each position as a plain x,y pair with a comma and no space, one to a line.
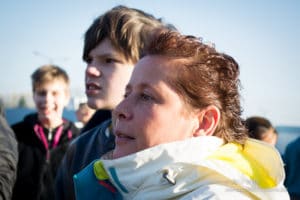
8,158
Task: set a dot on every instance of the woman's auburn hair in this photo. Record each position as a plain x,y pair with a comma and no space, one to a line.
203,77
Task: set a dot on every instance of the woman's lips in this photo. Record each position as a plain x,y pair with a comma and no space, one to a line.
122,138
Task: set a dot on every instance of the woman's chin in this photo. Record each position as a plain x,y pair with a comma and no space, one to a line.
118,153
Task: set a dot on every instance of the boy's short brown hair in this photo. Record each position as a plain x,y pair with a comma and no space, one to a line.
48,73
127,28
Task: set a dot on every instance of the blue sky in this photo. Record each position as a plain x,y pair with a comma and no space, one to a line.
263,36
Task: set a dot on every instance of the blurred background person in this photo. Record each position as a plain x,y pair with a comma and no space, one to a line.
83,114
291,158
261,128
8,158
43,136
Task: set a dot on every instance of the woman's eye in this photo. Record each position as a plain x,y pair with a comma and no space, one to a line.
125,95
146,97
109,60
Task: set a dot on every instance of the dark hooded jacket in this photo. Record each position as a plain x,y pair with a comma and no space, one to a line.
82,151
39,156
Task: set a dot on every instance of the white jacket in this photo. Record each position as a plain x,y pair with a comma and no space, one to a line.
198,168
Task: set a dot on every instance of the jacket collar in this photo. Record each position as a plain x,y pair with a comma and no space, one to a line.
158,166
173,169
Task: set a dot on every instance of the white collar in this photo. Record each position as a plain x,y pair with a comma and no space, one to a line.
135,170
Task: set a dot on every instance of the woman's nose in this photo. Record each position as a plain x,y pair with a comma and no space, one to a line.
122,111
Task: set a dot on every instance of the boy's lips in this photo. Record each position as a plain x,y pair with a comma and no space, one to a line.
45,111
92,88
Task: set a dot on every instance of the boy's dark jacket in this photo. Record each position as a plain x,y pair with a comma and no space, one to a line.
37,167
82,151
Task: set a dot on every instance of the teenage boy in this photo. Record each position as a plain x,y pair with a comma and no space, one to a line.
112,46
43,137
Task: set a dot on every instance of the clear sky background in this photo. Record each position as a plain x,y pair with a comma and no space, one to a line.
263,36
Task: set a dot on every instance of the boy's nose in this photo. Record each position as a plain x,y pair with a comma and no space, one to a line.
92,71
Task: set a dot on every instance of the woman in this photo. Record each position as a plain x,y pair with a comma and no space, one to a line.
179,133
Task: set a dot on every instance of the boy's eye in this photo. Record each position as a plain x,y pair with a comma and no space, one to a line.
88,60
54,93
41,93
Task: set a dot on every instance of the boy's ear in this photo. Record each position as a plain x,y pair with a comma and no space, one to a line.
208,120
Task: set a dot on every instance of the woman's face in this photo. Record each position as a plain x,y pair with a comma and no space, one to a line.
151,112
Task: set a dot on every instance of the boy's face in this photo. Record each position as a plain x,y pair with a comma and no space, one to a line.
106,76
50,99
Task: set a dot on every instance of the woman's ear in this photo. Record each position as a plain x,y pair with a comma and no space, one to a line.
208,119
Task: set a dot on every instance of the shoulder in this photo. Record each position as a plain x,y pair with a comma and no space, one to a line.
28,121
69,125
4,127
294,146
87,186
91,134
18,125
295,142
87,147
25,129
7,137
216,191
99,117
